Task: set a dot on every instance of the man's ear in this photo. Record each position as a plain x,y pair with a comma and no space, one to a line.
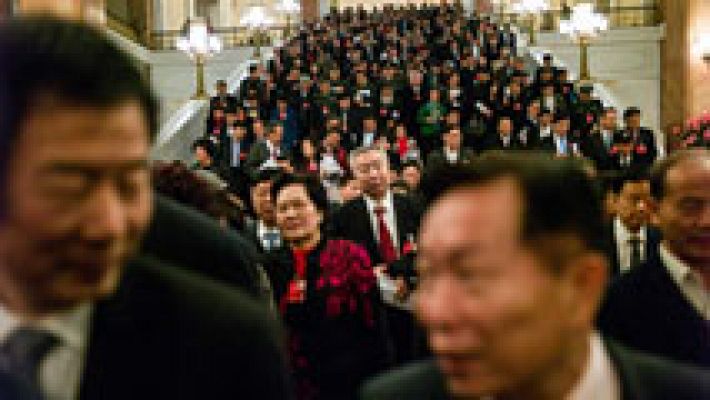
587,276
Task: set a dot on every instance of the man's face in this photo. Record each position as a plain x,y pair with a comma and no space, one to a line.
261,202
411,176
453,139
634,121
633,205
497,319
371,169
505,127
548,91
201,155
369,125
79,204
276,134
684,212
258,129
239,133
221,89
561,127
608,121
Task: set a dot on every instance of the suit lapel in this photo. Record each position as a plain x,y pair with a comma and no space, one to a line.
113,341
631,386
400,209
364,228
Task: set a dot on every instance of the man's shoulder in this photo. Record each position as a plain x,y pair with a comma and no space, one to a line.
150,285
351,206
644,376
421,380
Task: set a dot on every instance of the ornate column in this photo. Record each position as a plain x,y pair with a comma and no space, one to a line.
309,10
226,13
674,62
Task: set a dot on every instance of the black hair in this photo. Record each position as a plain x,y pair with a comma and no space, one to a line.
70,61
560,197
265,175
618,180
410,163
631,111
315,191
207,145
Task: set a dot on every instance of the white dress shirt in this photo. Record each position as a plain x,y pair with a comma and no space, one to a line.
262,230
60,371
622,237
452,156
689,282
599,380
273,150
545,131
389,216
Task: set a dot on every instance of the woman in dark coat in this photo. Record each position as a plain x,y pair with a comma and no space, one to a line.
327,294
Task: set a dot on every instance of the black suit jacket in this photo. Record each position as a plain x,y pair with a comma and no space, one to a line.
593,148
353,222
187,239
170,334
437,158
644,151
653,239
646,310
642,377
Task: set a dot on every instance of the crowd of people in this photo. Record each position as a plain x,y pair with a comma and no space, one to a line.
396,206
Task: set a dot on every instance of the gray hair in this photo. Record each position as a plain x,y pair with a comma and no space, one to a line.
366,149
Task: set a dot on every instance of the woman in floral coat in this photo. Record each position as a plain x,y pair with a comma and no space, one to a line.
327,295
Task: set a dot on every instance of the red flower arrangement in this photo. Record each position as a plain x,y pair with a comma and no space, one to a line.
347,277
697,132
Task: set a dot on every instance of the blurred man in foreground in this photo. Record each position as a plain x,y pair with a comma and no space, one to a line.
80,316
509,294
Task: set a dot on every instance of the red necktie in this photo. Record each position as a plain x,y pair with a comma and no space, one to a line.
387,250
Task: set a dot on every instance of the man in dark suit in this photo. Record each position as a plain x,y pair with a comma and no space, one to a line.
504,138
643,143
262,229
561,143
266,154
632,239
509,309
182,237
598,145
452,152
663,307
385,223
78,319
235,149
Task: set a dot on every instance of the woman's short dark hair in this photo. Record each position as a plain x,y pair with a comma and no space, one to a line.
311,184
176,181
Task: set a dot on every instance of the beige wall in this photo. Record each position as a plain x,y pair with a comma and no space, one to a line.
698,71
67,8
90,10
685,77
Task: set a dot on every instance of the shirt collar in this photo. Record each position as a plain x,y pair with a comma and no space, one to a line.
623,234
679,270
599,379
372,203
71,326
